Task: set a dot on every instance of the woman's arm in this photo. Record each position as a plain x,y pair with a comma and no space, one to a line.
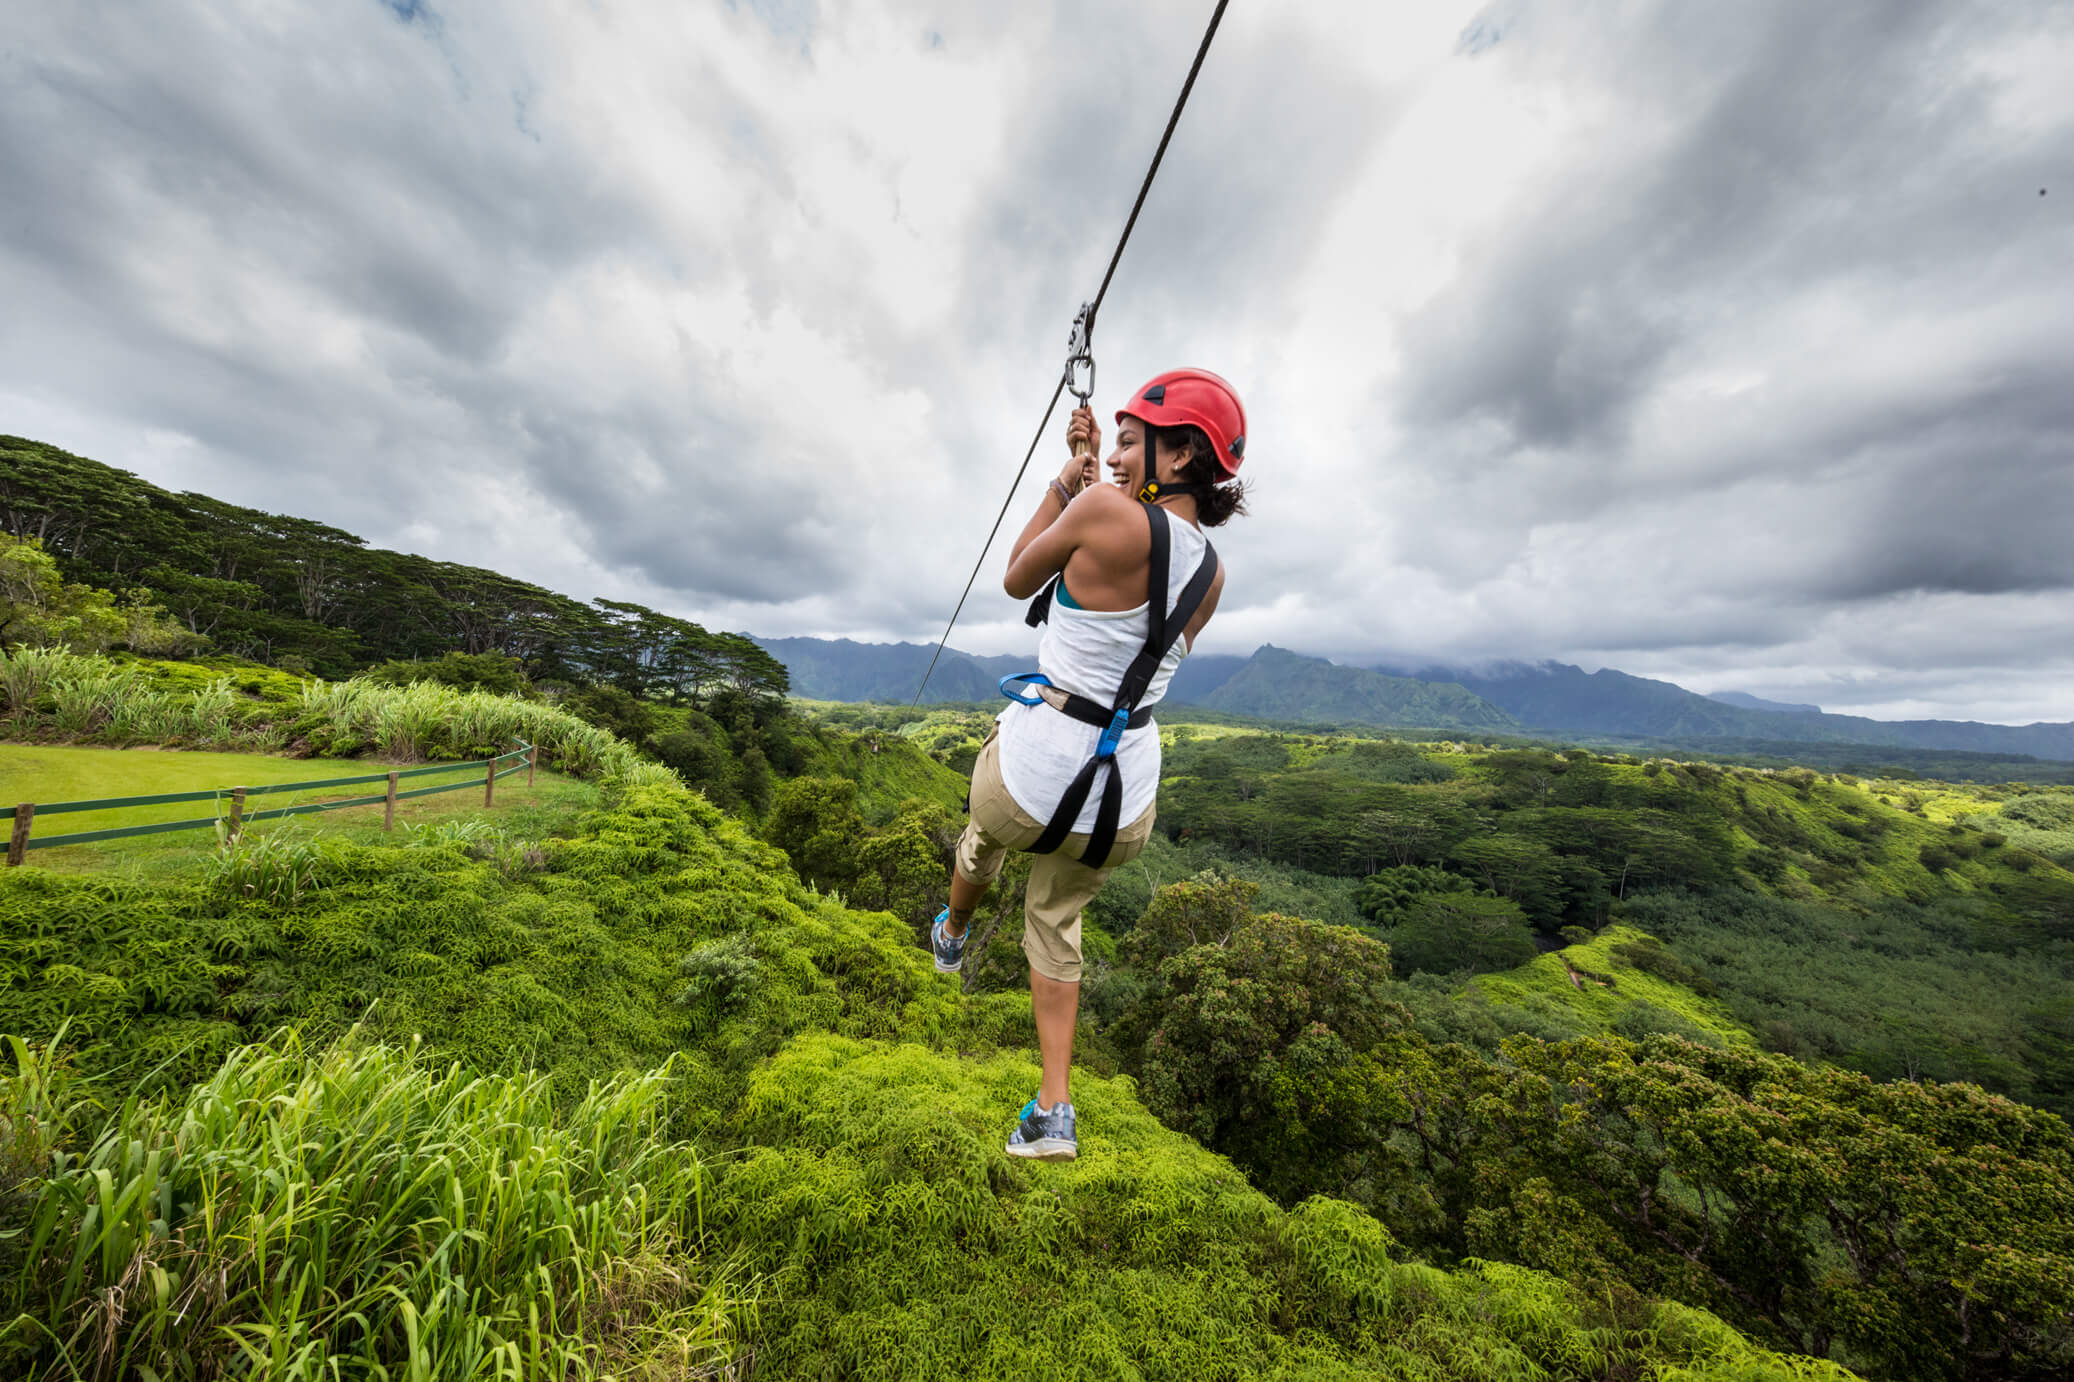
1056,528
1046,544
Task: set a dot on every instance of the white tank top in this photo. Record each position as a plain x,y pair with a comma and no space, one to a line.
1087,652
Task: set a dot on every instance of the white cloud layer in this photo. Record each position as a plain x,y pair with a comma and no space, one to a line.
1724,344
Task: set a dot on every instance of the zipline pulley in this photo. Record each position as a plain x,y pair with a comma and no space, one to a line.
1080,351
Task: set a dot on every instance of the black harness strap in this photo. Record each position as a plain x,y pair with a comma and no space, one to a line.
1162,628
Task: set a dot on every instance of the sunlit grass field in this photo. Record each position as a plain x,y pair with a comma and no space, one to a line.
53,773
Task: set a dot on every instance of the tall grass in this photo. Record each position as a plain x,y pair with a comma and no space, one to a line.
52,692
427,720
359,1214
276,866
86,697
24,676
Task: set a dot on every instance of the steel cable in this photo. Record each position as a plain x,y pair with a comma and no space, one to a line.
1202,50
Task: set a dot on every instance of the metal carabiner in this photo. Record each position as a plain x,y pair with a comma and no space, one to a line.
1080,351
1034,678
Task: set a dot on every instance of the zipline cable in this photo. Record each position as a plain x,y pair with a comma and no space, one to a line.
1083,332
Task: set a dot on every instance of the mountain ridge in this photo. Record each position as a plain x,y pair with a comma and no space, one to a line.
1500,697
1561,696
1750,702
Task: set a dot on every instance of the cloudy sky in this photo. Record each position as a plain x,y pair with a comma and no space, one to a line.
1732,344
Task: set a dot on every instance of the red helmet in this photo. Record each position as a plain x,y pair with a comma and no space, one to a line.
1185,397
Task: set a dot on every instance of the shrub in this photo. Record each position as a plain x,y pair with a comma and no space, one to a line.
618,712
1242,1038
1641,1019
1388,895
491,672
1651,957
1204,910
275,867
1447,933
1937,858
897,1240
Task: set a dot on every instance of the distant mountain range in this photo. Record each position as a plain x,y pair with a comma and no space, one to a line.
1750,702
1507,698
1557,696
1276,684
837,669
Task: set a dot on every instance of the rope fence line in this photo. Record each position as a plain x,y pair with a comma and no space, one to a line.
21,840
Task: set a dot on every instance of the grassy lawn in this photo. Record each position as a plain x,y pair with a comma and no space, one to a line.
51,773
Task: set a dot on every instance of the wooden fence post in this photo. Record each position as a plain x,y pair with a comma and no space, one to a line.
18,843
237,811
489,782
532,761
389,806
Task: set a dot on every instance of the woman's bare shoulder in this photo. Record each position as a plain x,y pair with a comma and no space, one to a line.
1105,498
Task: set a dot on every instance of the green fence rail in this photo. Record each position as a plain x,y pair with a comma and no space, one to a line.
524,757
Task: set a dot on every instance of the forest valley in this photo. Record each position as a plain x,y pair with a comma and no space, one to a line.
1437,1059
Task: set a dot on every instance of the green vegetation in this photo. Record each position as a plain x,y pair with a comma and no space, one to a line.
1899,990
1858,760
551,805
60,696
2039,822
1623,981
876,1202
360,1213
54,772
1460,931
1411,1059
1881,924
40,609
868,1225
1637,1142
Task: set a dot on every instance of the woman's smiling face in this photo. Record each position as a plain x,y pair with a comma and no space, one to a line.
1127,462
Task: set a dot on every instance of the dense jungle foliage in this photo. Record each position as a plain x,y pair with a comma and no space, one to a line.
1719,1081
808,1181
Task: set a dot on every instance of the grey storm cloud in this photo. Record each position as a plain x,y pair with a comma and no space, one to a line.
1752,370
1776,154
1765,149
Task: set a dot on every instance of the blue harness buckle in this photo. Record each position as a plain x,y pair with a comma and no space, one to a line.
1105,747
1034,678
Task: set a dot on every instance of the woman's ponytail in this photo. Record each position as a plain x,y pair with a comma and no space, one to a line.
1216,503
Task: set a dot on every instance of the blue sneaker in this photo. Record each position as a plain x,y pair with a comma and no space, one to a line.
949,949
1045,1134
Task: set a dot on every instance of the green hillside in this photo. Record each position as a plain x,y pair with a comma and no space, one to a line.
655,1078
306,595
1613,983
868,1226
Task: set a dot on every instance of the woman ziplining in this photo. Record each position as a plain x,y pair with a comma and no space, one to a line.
1127,581
1124,581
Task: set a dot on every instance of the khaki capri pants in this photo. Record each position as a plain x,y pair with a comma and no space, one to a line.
1060,885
